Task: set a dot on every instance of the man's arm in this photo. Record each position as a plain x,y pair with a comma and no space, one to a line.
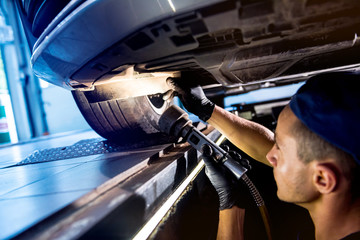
231,223
252,138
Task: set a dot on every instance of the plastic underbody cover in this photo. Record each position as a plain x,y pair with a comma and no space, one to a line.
238,42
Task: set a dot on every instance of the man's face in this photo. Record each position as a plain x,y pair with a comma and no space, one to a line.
293,177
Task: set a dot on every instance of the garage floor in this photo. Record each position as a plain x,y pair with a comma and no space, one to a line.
31,192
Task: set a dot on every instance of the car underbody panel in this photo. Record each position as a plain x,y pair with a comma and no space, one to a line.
236,42
115,56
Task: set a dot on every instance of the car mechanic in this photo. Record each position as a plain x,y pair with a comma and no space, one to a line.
314,153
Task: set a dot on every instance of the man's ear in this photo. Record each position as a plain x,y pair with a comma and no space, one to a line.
325,177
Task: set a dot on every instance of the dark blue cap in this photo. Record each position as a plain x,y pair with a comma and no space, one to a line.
329,105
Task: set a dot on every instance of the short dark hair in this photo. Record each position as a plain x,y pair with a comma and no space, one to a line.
311,146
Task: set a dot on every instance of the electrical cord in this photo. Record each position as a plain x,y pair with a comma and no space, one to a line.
259,203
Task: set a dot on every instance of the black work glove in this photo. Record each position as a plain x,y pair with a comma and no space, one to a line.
193,98
226,185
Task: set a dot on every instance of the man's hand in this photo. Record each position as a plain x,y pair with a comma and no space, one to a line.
227,186
193,98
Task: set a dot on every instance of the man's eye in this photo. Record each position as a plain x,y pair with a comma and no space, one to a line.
277,146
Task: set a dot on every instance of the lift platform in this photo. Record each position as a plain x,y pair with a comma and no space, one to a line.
82,186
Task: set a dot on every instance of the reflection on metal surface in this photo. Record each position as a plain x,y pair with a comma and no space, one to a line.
149,227
129,83
172,5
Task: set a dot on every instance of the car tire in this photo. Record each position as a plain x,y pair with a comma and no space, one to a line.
129,121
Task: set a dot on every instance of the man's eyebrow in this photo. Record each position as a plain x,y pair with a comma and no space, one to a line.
276,138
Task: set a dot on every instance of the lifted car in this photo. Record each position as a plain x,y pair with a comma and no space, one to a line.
115,56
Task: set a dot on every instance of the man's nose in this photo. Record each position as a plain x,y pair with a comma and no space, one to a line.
271,156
